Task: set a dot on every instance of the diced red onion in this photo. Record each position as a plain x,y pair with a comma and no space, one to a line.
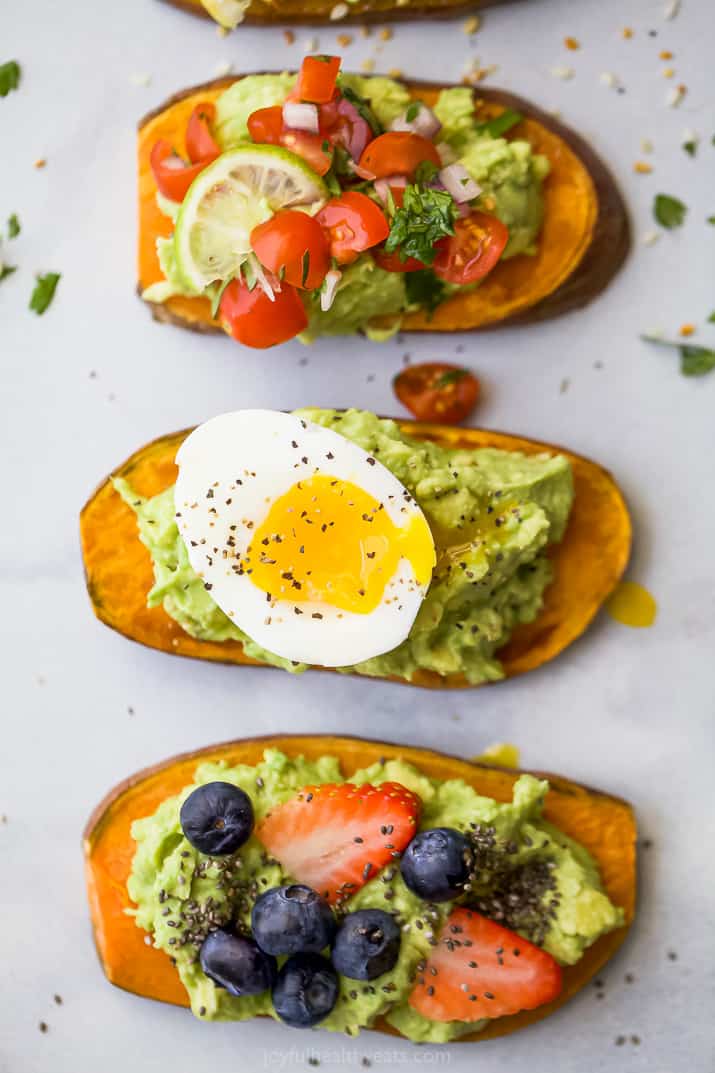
459,183
301,116
362,173
424,123
329,288
382,186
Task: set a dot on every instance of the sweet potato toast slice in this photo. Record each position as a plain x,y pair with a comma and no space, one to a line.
605,825
268,12
588,562
583,242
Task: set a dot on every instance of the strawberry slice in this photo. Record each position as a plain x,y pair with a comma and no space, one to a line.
336,837
480,969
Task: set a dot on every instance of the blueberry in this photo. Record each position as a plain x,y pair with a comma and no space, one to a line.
306,990
236,963
437,863
367,944
292,920
217,818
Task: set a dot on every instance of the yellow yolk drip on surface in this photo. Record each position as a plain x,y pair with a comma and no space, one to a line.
328,541
632,605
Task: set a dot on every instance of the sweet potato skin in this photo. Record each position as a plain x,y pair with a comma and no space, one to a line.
605,825
588,563
265,13
584,240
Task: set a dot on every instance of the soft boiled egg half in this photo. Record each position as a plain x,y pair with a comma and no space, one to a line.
308,544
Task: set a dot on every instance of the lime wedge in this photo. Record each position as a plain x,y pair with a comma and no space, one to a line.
240,190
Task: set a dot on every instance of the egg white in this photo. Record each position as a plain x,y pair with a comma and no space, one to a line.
231,470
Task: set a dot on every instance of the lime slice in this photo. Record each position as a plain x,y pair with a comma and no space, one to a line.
240,190
227,13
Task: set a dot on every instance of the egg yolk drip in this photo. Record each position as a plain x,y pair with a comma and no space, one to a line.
328,541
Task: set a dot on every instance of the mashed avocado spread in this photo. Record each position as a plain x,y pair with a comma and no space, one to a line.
492,513
507,172
180,892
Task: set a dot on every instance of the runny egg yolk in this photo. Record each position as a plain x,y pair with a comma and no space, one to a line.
328,541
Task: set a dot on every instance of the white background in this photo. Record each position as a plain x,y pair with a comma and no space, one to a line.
93,379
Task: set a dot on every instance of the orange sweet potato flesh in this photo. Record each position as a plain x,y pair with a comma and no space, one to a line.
267,12
605,825
588,563
583,242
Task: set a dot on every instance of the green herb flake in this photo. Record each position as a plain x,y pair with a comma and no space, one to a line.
452,376
500,124
694,360
7,270
306,267
711,220
711,318
669,211
413,110
44,292
424,218
13,226
690,147
9,77
424,289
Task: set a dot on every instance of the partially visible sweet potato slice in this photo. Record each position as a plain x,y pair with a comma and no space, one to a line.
588,562
605,825
583,242
268,12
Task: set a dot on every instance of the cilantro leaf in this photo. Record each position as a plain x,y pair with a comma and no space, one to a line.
425,217
44,292
694,360
711,318
500,124
711,219
7,270
9,77
13,226
413,110
669,211
690,147
424,289
452,376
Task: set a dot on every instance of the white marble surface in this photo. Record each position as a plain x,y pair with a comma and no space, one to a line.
94,378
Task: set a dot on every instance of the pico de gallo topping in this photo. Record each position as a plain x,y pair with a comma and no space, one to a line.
397,196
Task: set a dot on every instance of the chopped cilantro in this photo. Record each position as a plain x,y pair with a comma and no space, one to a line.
425,217
9,77
306,267
694,360
452,376
690,147
711,219
711,318
425,172
669,211
13,226
413,110
7,270
44,292
424,289
500,124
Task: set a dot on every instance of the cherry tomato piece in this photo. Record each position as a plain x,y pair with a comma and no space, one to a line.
200,142
398,152
292,245
314,149
256,321
265,125
472,251
173,175
353,223
316,81
437,391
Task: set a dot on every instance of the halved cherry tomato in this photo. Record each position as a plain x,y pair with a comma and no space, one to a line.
315,149
398,152
391,262
173,175
437,391
256,321
472,251
353,223
316,81
265,125
292,245
200,142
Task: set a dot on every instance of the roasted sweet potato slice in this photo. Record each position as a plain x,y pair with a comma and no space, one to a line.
267,12
604,825
588,562
583,242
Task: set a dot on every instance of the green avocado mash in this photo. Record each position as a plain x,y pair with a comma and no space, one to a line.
508,173
492,513
179,892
